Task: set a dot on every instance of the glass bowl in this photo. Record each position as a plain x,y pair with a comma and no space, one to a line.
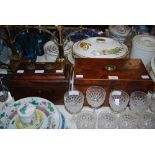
73,102
146,121
152,103
118,100
95,96
3,95
127,120
3,91
107,120
86,120
138,102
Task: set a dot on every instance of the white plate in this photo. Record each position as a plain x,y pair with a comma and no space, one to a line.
52,49
151,68
153,64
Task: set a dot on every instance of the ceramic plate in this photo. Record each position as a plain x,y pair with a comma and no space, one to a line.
52,49
76,35
9,114
100,47
151,68
153,64
63,122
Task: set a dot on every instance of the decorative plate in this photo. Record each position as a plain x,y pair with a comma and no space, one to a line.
52,49
100,47
9,115
153,64
75,35
62,122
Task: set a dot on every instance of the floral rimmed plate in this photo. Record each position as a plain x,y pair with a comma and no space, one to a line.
100,47
7,118
52,49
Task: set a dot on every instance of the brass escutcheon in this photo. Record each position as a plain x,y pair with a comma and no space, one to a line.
110,67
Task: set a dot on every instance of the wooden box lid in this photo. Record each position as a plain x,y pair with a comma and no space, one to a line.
99,71
56,74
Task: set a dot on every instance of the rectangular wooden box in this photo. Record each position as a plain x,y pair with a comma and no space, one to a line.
131,74
51,85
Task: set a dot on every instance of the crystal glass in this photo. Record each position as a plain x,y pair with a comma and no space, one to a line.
107,120
3,92
146,121
127,120
26,44
86,120
138,102
73,101
33,57
152,102
95,96
118,100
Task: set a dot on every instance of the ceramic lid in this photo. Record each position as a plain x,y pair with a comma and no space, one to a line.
100,47
10,113
145,42
119,30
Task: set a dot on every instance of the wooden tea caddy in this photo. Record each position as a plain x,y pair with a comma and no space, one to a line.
47,80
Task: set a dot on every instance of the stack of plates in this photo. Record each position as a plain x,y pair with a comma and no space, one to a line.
51,50
143,47
100,47
47,115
